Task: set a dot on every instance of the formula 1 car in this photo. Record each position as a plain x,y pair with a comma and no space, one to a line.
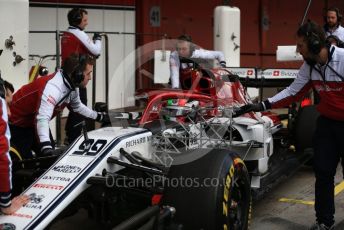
183,163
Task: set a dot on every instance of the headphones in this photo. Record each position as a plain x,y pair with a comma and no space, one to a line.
77,75
314,42
187,38
75,16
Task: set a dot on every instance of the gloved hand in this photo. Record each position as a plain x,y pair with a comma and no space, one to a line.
103,117
97,36
256,107
47,152
100,107
223,64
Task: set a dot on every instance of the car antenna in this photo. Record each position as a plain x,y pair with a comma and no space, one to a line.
87,143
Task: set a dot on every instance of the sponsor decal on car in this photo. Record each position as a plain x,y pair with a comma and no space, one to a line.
134,142
22,215
49,186
7,226
34,198
67,169
56,178
33,206
90,147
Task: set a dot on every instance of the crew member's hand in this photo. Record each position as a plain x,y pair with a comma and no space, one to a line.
16,203
103,117
256,107
47,152
97,36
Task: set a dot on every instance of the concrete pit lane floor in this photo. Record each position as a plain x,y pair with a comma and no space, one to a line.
288,206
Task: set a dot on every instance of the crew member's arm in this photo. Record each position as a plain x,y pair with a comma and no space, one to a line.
80,108
294,92
50,97
210,54
94,47
300,86
174,70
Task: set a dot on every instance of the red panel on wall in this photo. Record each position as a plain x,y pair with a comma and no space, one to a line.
178,17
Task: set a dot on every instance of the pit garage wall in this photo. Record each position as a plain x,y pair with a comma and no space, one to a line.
12,25
265,24
47,18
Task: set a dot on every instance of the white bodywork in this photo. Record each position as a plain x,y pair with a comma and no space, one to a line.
66,179
256,133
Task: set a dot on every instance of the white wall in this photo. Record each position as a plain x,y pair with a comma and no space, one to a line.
17,26
121,80
227,33
109,20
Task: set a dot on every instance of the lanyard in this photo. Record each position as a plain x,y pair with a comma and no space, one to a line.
322,74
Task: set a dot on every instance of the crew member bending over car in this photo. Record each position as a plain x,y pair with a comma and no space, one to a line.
35,104
185,48
323,70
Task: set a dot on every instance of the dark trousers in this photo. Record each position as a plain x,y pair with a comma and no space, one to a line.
328,149
73,119
24,140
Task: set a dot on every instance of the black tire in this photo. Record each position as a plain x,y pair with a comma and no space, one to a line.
304,128
226,206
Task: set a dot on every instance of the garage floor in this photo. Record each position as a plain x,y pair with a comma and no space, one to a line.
287,207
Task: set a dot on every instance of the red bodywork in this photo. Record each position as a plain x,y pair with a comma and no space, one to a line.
211,87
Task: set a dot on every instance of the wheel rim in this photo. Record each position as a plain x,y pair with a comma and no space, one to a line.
237,204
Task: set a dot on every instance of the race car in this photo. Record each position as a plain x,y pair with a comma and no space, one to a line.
184,158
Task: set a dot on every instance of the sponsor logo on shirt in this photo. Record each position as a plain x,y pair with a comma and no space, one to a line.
51,100
327,88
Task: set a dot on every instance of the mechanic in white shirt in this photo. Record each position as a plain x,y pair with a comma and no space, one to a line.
185,48
35,104
323,70
332,26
